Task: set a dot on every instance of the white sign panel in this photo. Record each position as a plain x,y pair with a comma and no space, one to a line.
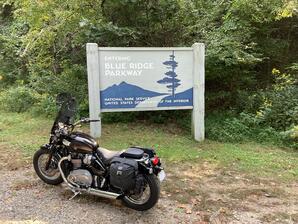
146,79
141,79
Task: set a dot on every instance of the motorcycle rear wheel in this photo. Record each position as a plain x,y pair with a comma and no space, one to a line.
147,203
51,175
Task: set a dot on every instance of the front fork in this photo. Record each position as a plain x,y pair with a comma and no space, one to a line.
54,157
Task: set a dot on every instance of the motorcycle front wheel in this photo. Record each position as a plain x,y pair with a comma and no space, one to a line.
48,173
148,198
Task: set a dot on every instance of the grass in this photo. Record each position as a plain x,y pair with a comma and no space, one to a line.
22,131
25,132
259,160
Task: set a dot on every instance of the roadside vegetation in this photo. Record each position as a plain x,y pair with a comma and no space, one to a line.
251,58
22,133
210,181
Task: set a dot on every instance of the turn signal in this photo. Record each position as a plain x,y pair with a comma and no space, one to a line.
155,161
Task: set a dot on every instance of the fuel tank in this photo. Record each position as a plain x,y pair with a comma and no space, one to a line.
82,142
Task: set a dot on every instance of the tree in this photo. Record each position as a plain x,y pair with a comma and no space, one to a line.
244,40
171,75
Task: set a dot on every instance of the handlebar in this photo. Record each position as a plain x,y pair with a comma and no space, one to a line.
85,121
65,129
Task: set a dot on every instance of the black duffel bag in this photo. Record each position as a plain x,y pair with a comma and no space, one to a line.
123,173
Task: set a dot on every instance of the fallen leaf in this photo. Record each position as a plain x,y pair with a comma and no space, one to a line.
182,206
188,211
194,201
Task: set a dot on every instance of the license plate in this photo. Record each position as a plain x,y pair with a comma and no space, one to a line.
161,175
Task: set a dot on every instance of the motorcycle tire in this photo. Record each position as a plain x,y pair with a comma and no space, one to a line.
154,185
42,175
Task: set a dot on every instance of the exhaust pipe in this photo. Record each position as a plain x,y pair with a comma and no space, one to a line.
104,194
71,186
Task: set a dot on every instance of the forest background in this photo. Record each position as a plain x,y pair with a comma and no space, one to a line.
251,58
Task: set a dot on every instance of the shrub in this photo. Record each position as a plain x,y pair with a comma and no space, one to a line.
46,106
18,99
122,117
226,129
245,127
280,105
291,136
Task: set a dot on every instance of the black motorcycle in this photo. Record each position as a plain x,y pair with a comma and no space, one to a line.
132,175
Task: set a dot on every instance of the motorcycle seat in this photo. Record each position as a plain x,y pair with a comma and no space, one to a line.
108,155
134,153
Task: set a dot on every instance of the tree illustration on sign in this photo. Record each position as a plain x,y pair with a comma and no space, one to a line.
171,75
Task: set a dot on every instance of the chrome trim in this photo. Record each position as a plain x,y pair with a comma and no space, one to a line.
72,187
105,194
87,159
75,189
102,182
100,165
95,181
99,161
143,159
65,142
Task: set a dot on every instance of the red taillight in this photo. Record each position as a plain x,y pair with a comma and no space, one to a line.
155,160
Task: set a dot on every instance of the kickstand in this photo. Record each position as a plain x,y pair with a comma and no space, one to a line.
75,193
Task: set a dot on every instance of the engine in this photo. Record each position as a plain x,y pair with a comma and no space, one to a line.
79,175
86,171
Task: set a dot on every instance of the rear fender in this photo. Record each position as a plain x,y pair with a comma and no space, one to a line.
144,169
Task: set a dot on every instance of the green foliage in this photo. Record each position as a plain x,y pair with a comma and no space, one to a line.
42,51
291,136
18,99
21,99
279,108
246,128
46,106
227,130
250,158
180,117
270,115
122,117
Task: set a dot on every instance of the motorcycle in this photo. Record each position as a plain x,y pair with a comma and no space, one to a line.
132,175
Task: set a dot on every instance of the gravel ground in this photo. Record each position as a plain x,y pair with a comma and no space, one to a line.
204,196
26,199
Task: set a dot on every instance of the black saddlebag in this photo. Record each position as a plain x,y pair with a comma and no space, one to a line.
123,173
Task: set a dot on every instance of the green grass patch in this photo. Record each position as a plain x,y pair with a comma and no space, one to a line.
25,132
255,159
169,145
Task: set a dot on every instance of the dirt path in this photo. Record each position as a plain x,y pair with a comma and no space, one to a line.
24,198
193,195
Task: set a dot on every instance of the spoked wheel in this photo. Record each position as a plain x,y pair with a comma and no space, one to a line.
46,168
147,198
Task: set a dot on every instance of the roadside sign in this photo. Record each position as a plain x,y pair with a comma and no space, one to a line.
143,79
